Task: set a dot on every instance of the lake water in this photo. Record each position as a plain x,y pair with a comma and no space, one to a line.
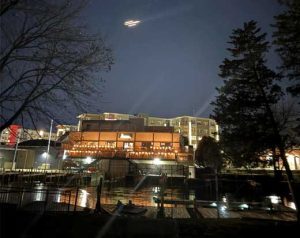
143,196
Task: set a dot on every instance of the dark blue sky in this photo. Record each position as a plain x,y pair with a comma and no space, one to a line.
168,65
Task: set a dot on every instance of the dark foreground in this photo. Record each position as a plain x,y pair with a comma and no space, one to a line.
28,224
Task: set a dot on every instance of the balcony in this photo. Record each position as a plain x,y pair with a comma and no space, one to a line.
166,153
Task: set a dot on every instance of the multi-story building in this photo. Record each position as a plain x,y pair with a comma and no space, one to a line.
118,146
193,128
125,139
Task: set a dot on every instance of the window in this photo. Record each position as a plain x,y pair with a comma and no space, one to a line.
147,144
165,144
110,144
128,146
184,121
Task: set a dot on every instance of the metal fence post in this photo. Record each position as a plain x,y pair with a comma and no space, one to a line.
76,197
69,202
98,202
21,194
46,199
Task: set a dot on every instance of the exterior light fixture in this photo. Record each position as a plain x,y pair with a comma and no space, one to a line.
45,155
41,133
88,160
156,161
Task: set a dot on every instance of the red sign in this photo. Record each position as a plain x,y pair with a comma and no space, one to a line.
13,134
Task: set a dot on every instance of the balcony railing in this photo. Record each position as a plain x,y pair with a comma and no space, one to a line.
169,153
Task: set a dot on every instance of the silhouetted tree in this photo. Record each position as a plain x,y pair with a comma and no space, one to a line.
48,61
208,153
287,39
243,106
240,107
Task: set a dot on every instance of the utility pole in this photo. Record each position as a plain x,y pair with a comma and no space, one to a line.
217,193
15,154
16,150
49,140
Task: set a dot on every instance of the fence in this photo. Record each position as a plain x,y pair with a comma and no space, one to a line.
35,199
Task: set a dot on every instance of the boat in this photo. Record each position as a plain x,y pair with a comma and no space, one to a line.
130,208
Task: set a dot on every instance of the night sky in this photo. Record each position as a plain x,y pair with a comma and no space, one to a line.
168,65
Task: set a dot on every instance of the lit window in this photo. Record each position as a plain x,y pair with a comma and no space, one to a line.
166,144
110,144
147,144
128,146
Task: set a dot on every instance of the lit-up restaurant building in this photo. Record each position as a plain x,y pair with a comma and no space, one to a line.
126,139
193,128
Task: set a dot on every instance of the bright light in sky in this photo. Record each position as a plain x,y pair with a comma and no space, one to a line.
131,23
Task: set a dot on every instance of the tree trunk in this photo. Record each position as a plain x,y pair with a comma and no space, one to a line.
279,143
290,181
277,171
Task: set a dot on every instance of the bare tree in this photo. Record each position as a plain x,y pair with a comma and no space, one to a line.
48,60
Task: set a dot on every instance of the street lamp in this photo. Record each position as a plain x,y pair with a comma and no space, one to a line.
48,148
15,154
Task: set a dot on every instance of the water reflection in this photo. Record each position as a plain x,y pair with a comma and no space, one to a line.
144,196
83,199
274,199
58,197
39,194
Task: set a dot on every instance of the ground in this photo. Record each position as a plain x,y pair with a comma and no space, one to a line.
82,224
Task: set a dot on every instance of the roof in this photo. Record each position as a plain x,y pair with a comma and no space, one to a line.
39,142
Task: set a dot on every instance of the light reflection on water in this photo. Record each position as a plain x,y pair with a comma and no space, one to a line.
39,194
83,199
87,196
142,197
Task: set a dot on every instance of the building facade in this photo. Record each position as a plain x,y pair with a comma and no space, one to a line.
121,147
129,139
63,129
193,128
31,154
126,144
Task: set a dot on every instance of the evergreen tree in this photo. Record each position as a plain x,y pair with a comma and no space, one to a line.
240,108
243,108
208,153
287,38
